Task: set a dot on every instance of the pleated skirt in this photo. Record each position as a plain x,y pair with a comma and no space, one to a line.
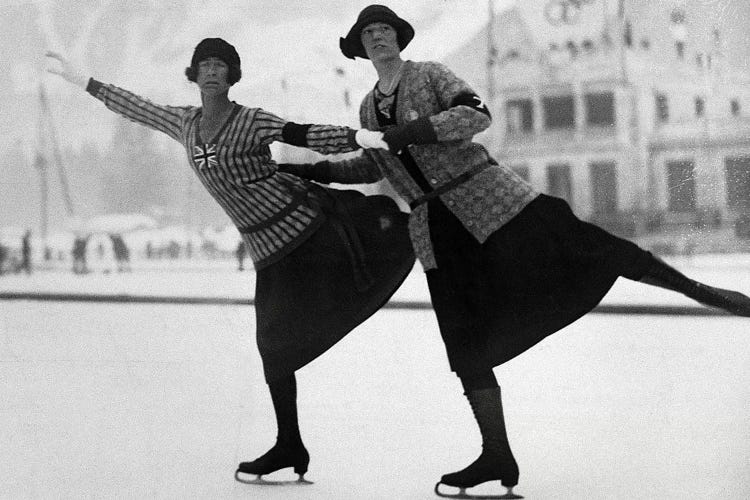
537,274
341,275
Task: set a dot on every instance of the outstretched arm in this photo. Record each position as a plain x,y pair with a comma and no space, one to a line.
166,119
358,170
325,139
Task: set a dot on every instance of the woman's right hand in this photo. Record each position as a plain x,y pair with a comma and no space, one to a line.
370,139
67,70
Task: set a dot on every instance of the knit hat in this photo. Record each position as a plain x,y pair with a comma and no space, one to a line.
351,45
215,47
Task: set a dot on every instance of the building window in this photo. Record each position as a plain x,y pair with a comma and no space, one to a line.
522,171
700,107
600,109
734,106
662,108
519,114
737,171
559,112
559,182
645,44
681,186
603,187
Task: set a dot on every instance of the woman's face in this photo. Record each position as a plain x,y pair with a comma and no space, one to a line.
380,41
213,76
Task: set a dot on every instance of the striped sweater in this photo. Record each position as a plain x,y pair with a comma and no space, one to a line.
271,209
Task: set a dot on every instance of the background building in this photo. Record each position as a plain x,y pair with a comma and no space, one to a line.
634,111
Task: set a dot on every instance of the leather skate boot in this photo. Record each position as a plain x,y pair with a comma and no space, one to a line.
496,460
280,456
288,450
663,275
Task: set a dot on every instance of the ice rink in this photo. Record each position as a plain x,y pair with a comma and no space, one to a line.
113,400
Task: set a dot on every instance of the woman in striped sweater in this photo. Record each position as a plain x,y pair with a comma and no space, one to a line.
325,259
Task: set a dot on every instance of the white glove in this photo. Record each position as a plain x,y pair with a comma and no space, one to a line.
369,139
67,70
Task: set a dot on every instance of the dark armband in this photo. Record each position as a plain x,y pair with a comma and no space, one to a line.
295,134
419,131
471,100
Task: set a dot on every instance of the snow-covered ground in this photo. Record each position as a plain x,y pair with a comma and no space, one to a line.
108,400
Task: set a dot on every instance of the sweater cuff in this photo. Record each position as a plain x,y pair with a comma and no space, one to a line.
419,131
351,136
422,131
318,172
93,86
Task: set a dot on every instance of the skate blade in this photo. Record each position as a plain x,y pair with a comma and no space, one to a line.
463,494
259,481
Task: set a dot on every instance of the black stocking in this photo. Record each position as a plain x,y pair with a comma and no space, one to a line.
284,397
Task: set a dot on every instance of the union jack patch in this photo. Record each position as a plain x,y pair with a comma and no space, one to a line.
204,156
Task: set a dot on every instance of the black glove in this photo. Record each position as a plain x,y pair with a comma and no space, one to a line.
318,172
419,131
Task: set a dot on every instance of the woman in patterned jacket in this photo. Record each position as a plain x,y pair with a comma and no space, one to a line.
506,266
325,259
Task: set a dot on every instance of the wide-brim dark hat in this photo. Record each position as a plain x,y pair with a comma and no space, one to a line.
351,45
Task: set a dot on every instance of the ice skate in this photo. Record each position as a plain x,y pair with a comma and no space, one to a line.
462,493
663,275
733,302
496,461
488,467
281,456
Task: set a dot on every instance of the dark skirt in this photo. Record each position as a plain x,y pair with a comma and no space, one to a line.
344,272
535,275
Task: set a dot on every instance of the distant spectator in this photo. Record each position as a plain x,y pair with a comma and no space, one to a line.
173,249
79,255
3,256
121,251
240,253
26,253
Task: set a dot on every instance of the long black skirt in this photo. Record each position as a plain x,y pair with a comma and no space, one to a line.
341,275
535,275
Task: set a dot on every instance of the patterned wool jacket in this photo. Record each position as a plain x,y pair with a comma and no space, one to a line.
485,202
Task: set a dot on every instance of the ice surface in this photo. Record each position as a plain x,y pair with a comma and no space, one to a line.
162,401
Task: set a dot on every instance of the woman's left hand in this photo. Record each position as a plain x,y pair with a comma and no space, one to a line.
67,70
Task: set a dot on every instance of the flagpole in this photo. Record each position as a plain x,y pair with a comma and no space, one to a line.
491,53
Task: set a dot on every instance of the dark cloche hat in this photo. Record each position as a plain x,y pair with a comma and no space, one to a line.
351,45
215,47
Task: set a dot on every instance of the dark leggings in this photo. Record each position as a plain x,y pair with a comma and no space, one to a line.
478,380
284,398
